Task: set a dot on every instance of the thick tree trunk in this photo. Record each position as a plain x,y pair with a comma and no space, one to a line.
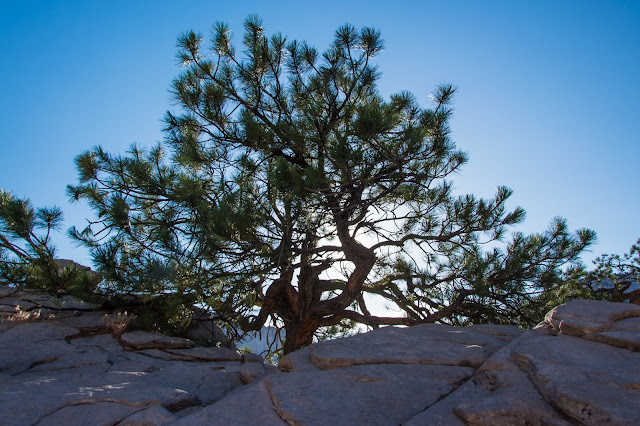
308,311
298,335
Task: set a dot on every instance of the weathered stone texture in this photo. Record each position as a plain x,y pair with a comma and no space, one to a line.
70,368
63,363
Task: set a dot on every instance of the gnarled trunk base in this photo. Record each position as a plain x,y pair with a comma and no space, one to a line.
298,335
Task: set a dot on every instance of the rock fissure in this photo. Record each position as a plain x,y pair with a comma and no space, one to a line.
289,418
177,406
582,369
440,398
558,410
81,334
141,409
91,402
36,364
199,385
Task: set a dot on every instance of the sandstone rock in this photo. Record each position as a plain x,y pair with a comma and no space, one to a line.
251,358
154,415
6,290
106,342
57,390
158,354
506,333
146,340
629,339
249,405
28,345
578,368
364,394
251,372
591,382
35,332
299,360
208,354
14,305
73,358
79,377
627,324
83,320
493,411
624,333
580,317
135,365
95,413
421,344
500,393
64,302
441,413
204,381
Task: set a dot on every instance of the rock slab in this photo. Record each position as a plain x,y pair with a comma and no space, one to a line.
64,362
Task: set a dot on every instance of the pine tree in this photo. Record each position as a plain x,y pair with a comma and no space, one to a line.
288,188
27,255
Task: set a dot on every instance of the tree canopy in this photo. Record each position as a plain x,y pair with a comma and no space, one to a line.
27,256
287,188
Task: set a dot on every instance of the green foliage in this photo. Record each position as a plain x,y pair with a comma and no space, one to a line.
516,284
614,275
27,257
612,280
287,188
168,315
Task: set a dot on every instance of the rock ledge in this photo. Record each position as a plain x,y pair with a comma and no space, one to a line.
64,362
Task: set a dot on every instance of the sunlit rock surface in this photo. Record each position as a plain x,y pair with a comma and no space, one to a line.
62,361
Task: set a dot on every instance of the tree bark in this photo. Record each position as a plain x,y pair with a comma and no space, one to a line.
299,334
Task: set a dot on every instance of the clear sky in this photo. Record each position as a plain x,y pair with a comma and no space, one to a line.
548,100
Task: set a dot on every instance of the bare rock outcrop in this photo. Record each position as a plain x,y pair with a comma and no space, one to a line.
65,362
62,361
579,367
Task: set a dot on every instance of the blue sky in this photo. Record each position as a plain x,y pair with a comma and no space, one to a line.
547,101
